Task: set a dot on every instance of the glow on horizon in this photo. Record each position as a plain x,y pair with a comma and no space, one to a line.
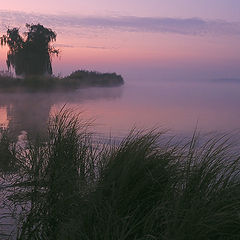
111,42
140,49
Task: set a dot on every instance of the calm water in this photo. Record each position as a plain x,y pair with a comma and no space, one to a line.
178,74
177,106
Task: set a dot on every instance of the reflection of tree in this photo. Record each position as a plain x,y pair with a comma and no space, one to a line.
29,114
29,111
30,56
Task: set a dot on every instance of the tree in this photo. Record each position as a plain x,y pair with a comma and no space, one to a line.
31,55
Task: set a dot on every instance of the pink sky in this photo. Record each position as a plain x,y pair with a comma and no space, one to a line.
116,50
215,9
164,35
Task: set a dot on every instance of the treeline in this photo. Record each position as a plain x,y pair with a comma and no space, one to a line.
80,78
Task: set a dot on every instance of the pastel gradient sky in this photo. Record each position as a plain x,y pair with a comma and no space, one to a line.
177,38
222,9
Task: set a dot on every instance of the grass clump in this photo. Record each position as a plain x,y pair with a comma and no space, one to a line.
143,188
7,152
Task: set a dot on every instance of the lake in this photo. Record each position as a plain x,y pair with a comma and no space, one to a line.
177,106
177,77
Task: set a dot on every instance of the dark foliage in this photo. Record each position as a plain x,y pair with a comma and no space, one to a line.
96,78
143,188
77,79
32,55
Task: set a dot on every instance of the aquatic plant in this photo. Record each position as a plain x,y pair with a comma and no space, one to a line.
146,187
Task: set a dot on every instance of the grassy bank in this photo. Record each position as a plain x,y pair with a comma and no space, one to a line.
80,78
143,188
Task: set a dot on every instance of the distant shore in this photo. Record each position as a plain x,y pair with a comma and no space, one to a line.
77,79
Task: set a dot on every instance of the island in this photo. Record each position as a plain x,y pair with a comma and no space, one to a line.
77,79
30,56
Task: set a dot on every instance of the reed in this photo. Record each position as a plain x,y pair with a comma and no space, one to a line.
143,188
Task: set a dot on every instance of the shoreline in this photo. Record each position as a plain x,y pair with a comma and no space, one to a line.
77,79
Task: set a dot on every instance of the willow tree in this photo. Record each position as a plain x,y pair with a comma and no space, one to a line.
32,53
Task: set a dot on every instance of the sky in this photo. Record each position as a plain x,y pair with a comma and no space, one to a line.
147,42
211,9
167,38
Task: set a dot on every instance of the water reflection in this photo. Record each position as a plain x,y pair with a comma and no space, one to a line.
29,111
178,106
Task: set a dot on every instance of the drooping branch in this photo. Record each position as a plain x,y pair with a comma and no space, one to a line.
32,55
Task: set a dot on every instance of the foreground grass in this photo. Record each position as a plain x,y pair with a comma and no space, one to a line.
80,78
142,188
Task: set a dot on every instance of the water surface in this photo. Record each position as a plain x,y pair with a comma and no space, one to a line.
179,73
177,106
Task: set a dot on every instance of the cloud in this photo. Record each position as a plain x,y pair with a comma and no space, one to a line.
187,26
100,47
63,45
227,80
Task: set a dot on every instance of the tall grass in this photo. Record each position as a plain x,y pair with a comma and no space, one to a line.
7,152
143,188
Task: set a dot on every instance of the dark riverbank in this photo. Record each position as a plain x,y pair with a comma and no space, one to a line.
77,79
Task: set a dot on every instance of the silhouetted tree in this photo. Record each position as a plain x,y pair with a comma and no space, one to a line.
30,55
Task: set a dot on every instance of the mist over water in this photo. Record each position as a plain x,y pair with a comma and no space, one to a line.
177,106
175,78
